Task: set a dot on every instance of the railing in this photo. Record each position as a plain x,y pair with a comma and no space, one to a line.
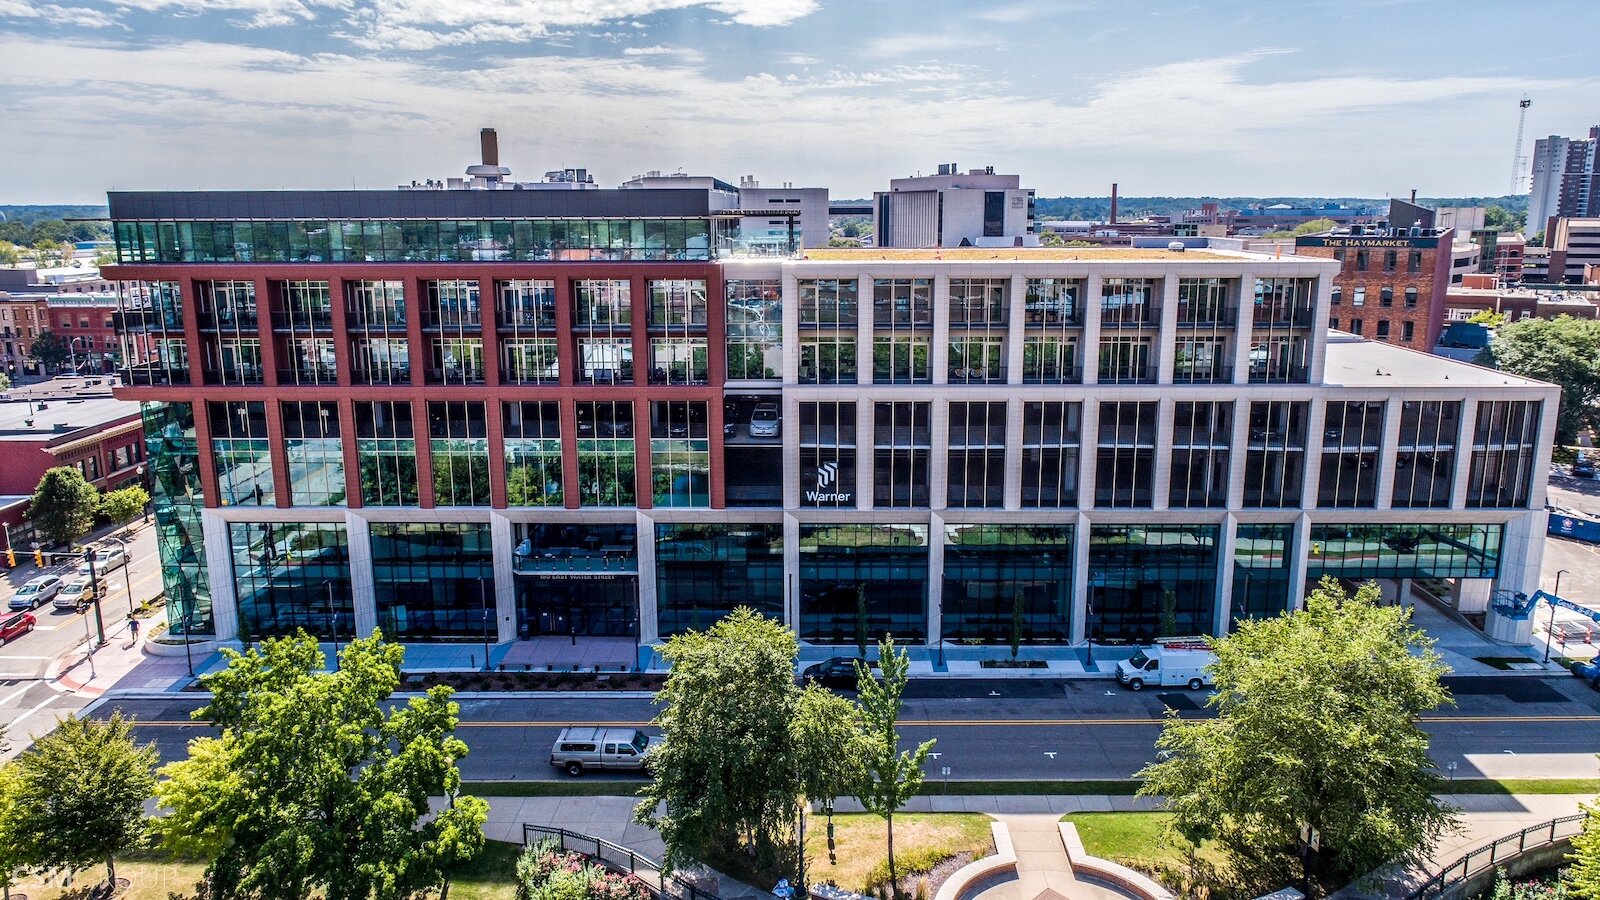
1500,850
620,859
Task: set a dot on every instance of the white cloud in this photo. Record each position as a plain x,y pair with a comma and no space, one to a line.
800,59
74,16
688,54
907,44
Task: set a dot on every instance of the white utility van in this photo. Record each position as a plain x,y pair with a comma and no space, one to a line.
1170,661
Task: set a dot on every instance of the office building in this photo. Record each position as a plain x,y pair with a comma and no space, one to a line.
81,427
951,209
1574,248
1391,282
1566,179
467,415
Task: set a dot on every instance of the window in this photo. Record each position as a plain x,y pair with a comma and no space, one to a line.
977,455
1415,264
1355,326
1126,302
1262,555
827,302
1126,359
1408,331
900,458
300,306
381,361
1200,361
1274,470
1386,297
434,581
755,329
680,453
526,306
1201,433
848,570
605,360
828,358
315,449
705,571
605,453
386,447
291,576
828,454
533,453
678,302
307,361
676,360
603,305
1333,323
1361,260
529,361
242,453
1383,329
998,577
900,359
1411,298
459,440
1390,260
1126,457
1052,302
1359,297
1366,550
978,301
1352,434
976,358
1050,358
1338,296
1151,581
1425,459
1503,444
455,361
451,305
1203,301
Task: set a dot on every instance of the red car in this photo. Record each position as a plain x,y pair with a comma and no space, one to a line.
16,626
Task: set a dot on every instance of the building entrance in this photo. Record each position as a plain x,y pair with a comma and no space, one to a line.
583,606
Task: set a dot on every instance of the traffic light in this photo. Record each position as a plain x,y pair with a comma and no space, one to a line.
11,558
38,558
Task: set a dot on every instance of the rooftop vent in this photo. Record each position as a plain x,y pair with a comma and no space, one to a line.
1175,246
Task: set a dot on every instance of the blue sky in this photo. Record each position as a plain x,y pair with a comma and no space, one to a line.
1226,97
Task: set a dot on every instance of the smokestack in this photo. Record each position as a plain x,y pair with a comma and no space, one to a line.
1413,195
491,147
1113,203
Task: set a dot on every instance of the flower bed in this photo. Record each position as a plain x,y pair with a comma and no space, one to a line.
546,872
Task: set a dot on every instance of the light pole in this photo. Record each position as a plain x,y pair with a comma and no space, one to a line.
1550,631
139,470
483,604
127,571
94,591
333,631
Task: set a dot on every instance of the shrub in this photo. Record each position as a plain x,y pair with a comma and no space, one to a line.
546,872
917,861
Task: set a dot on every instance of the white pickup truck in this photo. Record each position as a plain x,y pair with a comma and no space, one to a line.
1170,661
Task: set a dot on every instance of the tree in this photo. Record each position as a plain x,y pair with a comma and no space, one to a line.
315,785
1583,877
105,257
48,252
1315,226
722,769
1314,768
10,849
890,776
8,254
828,753
5,382
122,505
862,625
63,504
50,350
1564,351
79,795
1502,219
1488,318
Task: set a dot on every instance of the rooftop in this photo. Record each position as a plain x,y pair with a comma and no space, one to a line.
23,420
1357,362
1018,254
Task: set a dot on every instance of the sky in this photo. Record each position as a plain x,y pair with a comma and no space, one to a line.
1362,98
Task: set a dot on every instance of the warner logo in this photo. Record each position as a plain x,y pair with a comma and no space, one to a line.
827,477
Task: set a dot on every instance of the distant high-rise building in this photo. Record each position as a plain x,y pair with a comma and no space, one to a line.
1566,179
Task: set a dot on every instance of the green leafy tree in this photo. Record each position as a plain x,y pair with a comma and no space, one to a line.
50,350
829,756
1314,769
890,776
10,849
5,382
722,770
63,504
315,786
54,230
48,252
123,504
861,620
78,797
1315,226
1583,876
8,254
105,257
1488,318
1564,351
1502,219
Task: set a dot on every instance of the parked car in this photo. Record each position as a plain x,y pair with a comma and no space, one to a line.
36,593
1589,672
74,593
764,420
16,626
1583,468
577,749
837,672
1170,661
105,560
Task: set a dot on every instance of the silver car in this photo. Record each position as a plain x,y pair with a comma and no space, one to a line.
764,421
577,749
36,593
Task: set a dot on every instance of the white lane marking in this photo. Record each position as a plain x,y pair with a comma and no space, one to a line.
18,719
6,701
8,656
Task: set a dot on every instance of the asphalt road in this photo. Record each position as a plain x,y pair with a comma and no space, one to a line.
1000,730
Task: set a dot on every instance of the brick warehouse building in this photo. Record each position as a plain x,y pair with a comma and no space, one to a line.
1391,284
465,415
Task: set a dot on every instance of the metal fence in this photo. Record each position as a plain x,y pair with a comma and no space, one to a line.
1499,851
619,859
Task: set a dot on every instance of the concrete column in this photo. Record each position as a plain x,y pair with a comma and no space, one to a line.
1161,469
939,353
1166,342
219,567
1080,581
1299,570
1538,488
1243,324
1090,351
791,571
1464,441
1315,416
1227,536
939,453
791,447
1522,552
1318,362
866,441
1238,453
864,325
363,588
649,627
1088,450
1016,328
935,579
502,537
1387,449
1013,465
791,329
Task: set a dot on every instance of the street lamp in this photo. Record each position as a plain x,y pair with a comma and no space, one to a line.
333,630
144,483
94,592
1550,631
483,604
1088,633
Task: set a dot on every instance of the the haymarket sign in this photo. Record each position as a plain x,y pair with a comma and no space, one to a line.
1369,243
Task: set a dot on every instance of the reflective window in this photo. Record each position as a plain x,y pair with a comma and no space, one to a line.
755,329
460,447
902,302
679,360
605,360
529,361
678,302
1261,578
533,453
1357,551
703,572
375,306
977,357
455,361
1127,451
291,576
605,453
1352,434
828,358
1201,360
1503,444
1201,435
1425,461
1127,360
1129,302
434,581
1051,433
1050,359
977,302
827,302
861,582
387,451
577,580
1053,302
900,458
242,453
316,453
526,306
1274,468
828,454
1205,302
977,455
1005,581
300,306
603,305
149,321
900,359
452,305
680,454
307,361
1280,345
173,455
1151,581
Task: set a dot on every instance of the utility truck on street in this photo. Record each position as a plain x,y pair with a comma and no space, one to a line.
1168,662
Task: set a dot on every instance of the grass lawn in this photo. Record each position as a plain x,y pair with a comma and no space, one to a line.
921,841
153,877
1139,838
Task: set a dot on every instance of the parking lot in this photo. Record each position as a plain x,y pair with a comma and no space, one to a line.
1579,565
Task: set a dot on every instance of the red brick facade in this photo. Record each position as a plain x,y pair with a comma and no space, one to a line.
1391,288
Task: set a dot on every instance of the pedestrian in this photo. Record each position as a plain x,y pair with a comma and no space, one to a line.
133,628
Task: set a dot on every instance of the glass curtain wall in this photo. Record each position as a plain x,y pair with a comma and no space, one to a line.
1053,331
577,580
150,320
230,333
459,435
755,329
1360,551
679,352
533,453
387,449
603,320
680,453
452,319
1150,581
312,441
861,582
829,313
1008,582
302,321
1425,463
526,322
976,476
173,454
605,453
1130,318
1503,444
241,453
375,315
1201,435
292,576
979,308
1127,453
1261,558
1274,467
900,462
1051,437
1352,433
828,454
1280,341
434,581
703,572
1206,316
902,322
